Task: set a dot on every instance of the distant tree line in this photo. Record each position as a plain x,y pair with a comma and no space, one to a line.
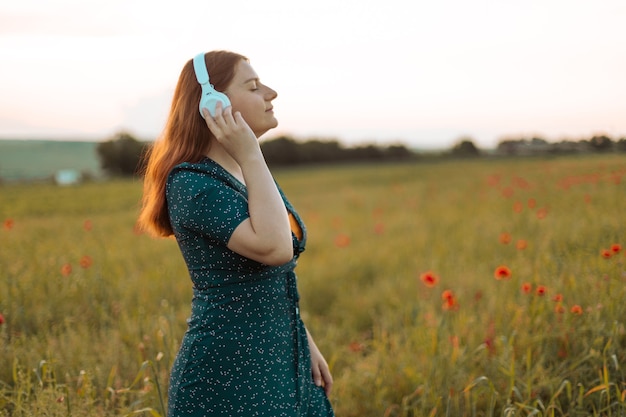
122,155
286,151
539,146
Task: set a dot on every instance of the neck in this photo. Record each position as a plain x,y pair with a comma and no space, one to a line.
218,154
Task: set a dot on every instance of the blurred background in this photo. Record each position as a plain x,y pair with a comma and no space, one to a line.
420,73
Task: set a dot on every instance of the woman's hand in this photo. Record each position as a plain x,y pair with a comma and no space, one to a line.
233,133
320,370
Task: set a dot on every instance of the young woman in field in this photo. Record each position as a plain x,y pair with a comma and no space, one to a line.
246,351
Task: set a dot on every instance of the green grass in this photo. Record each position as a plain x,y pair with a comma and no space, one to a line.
100,340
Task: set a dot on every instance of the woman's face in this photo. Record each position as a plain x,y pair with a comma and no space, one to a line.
252,98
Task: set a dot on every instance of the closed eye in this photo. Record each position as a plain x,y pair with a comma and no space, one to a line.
254,83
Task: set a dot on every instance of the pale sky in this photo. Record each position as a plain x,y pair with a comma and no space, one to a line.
421,72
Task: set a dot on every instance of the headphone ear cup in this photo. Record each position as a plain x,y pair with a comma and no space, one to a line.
210,98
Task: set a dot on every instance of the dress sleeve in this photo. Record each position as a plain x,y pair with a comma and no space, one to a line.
200,203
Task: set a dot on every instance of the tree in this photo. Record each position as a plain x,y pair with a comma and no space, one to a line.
465,148
121,155
399,152
281,151
601,143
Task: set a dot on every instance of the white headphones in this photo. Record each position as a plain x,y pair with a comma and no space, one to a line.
210,97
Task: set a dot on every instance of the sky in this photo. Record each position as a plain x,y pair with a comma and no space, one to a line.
421,72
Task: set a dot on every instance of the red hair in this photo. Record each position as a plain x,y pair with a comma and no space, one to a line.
185,138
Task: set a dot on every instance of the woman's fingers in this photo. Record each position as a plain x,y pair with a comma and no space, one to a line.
322,376
222,125
328,380
317,375
224,119
211,122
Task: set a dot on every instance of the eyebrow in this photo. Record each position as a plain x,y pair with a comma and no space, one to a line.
256,79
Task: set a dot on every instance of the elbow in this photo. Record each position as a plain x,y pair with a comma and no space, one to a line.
278,256
278,251
268,250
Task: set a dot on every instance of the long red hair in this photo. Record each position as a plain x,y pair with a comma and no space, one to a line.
185,138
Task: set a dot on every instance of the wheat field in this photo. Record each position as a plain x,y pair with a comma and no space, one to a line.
461,288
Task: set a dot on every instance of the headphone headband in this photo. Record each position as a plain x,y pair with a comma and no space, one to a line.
199,66
209,96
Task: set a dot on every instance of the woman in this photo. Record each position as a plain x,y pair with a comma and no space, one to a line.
246,351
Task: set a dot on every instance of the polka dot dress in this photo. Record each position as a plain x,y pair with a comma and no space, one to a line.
245,352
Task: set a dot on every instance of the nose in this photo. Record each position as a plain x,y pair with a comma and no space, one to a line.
270,94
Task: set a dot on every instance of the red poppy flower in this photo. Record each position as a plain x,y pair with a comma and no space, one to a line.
66,270
606,253
449,300
493,180
88,225
541,290
532,203
521,244
616,248
518,207
450,305
86,261
508,192
355,347
559,309
576,309
557,298
542,213
527,287
490,345
429,279
342,241
8,224
505,238
1,319
521,182
502,272
379,228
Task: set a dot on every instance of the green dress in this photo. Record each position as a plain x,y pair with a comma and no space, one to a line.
245,352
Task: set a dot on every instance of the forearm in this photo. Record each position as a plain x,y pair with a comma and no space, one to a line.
264,237
268,215
309,337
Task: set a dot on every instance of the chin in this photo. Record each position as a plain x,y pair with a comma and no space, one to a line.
270,125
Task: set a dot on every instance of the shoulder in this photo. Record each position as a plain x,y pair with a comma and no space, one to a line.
193,176
192,169
206,177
